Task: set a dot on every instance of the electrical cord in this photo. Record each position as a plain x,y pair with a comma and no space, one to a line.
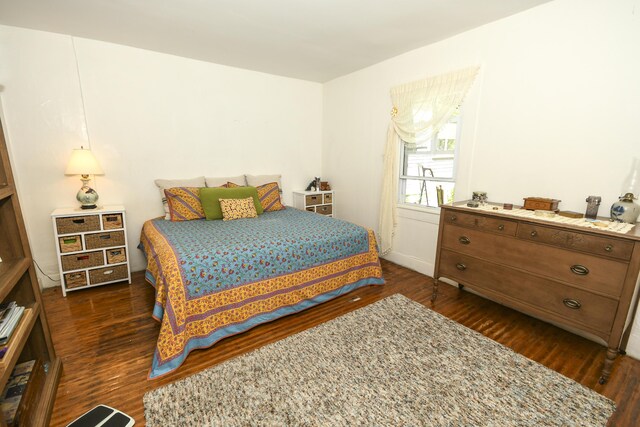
45,274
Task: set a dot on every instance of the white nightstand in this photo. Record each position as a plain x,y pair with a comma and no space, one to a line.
91,247
314,201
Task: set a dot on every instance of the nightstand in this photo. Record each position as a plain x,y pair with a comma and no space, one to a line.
91,247
320,202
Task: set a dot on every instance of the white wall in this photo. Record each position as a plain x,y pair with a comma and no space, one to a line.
148,115
553,113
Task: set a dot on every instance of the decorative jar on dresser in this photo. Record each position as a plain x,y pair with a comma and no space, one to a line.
565,271
314,201
91,247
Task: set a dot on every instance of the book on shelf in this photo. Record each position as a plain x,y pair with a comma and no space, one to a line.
7,327
5,308
3,350
22,392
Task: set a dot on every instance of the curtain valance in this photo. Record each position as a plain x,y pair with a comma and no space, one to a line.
419,110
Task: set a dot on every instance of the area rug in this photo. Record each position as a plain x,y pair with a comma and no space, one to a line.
392,363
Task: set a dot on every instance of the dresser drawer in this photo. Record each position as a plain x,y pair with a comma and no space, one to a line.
108,274
587,271
313,199
111,221
535,293
70,243
77,224
81,260
328,198
480,222
324,209
597,245
75,280
115,256
104,240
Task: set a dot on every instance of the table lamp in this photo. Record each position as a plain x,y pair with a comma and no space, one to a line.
626,210
84,163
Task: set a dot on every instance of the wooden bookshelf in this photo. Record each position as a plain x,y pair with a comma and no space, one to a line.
18,282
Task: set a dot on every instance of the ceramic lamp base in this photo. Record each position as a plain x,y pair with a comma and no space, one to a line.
87,196
625,210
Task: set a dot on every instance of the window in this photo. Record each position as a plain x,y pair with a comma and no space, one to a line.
428,168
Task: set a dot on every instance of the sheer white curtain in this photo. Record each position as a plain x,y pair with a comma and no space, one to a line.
419,110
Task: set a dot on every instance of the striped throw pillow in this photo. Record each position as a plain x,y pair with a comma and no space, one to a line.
269,195
184,203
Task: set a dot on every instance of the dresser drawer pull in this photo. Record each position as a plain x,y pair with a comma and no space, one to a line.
107,272
580,270
453,217
82,257
608,248
78,221
534,233
464,240
70,240
460,266
572,303
501,227
105,236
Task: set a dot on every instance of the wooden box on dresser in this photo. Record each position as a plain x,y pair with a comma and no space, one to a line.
92,247
314,201
31,339
579,278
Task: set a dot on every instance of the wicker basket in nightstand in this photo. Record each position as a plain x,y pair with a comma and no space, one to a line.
70,243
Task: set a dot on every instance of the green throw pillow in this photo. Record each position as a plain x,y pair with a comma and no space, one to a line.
210,199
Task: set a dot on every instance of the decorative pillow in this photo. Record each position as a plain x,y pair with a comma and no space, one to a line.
238,208
269,195
184,203
219,182
231,185
163,184
257,180
210,198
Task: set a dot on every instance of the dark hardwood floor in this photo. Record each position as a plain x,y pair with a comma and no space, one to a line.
106,337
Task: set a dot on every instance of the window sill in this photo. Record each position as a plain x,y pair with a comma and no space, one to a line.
416,213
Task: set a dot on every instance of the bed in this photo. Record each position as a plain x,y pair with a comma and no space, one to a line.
214,279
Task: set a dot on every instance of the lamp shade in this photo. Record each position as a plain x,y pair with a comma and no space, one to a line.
83,162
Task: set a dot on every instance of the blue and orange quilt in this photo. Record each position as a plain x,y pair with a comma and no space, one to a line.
214,279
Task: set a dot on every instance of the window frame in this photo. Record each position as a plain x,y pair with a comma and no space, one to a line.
402,179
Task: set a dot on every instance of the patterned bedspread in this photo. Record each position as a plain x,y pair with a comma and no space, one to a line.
214,279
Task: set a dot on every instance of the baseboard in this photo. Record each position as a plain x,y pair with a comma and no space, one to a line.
633,347
48,282
411,262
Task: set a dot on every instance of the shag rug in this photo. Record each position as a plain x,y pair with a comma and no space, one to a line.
391,363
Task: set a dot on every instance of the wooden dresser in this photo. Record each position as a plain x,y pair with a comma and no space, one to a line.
576,277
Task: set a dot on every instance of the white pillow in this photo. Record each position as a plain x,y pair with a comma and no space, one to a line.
217,182
257,180
170,183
